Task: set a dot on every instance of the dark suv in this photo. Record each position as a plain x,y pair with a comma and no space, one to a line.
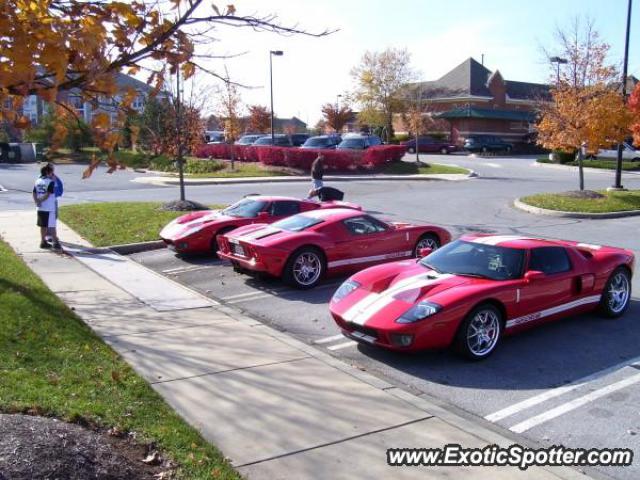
486,143
279,140
359,142
322,141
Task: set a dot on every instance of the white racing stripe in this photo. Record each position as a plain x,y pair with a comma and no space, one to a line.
496,239
373,258
333,338
573,404
556,392
362,311
340,346
552,311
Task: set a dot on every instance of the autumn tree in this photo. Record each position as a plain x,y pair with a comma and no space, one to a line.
50,47
380,78
259,119
586,109
336,117
634,108
228,109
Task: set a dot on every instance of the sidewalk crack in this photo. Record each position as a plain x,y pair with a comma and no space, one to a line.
336,442
206,374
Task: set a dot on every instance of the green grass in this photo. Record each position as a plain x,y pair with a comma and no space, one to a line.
117,223
612,202
604,164
410,168
52,364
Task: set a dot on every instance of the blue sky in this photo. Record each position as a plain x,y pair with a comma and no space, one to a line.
438,34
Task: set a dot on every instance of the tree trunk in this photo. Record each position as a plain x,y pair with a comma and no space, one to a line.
580,170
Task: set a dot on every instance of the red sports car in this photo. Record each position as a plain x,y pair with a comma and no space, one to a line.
197,232
303,248
472,291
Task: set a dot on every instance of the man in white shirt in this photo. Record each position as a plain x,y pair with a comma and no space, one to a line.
45,199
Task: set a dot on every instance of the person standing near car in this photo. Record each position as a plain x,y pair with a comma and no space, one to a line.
45,200
317,172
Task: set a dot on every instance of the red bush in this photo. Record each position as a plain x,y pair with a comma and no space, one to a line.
302,158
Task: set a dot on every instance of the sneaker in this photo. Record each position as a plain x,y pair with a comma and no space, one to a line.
44,245
57,246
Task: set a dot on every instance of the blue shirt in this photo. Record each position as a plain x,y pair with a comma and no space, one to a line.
58,188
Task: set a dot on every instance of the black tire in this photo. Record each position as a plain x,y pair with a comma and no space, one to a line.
444,151
411,150
611,307
430,239
315,259
465,333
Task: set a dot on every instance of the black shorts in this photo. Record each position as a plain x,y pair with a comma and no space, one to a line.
46,219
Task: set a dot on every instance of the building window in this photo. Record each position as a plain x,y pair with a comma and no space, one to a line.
138,103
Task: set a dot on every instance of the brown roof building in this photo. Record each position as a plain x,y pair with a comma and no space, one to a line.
471,99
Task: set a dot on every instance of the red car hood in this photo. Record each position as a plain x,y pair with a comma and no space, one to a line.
383,299
186,223
253,234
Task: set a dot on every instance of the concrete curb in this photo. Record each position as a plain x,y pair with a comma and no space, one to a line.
129,248
561,214
166,181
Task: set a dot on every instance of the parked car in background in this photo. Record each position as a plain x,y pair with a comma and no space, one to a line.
279,140
322,141
486,143
628,153
214,136
303,248
478,288
359,142
198,232
249,139
298,139
429,145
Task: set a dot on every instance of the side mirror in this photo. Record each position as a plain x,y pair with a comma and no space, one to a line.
263,215
533,276
425,252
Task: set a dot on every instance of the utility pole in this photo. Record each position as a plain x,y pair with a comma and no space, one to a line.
618,181
179,159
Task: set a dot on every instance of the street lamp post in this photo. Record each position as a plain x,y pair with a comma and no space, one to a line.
277,53
558,61
338,102
618,182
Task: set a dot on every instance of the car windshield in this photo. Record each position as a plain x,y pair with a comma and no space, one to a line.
297,223
316,142
352,143
477,260
245,208
263,141
247,140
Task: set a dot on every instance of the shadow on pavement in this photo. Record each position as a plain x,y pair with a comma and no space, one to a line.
544,357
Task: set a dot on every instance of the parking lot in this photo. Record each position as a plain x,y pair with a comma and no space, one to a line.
574,382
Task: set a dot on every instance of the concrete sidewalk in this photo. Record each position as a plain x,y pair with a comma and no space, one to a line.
278,408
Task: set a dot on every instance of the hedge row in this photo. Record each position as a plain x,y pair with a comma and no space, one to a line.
302,158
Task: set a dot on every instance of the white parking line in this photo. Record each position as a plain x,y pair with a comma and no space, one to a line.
329,339
259,295
188,270
573,404
2,189
251,294
556,392
492,165
342,345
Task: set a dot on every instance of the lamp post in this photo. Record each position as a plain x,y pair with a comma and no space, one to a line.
338,102
618,182
277,53
558,61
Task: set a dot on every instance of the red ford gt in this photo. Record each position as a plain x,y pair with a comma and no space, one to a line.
303,248
197,232
472,291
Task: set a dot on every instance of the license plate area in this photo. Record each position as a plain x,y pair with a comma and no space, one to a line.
238,249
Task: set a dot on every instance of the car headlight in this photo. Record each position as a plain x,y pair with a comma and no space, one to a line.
419,311
345,289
